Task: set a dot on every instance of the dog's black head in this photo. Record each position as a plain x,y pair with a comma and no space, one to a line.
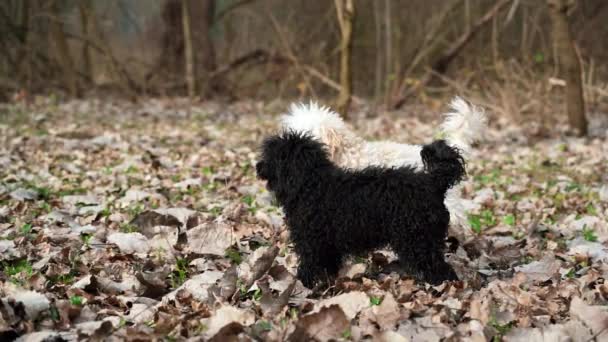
288,159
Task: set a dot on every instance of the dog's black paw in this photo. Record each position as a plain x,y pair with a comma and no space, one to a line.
437,277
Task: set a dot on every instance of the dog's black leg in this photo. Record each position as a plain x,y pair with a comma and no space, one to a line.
425,262
317,264
309,270
440,270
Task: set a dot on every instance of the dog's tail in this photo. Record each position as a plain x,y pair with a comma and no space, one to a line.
464,125
444,163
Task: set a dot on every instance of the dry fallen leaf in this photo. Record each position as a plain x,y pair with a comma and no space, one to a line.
224,316
210,238
328,323
351,303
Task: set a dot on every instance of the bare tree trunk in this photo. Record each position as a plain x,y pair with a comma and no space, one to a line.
189,54
84,7
569,64
24,22
379,74
389,50
346,16
62,51
173,46
203,47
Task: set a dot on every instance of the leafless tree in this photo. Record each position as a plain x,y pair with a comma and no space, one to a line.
62,51
346,15
189,54
568,63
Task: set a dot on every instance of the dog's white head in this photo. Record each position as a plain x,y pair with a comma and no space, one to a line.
322,123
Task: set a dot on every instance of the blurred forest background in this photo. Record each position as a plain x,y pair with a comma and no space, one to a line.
516,57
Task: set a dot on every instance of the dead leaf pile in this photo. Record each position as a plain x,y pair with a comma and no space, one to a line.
134,221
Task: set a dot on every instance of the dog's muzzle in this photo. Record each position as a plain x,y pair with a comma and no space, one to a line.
262,170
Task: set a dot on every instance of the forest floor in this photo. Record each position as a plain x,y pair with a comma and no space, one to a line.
122,221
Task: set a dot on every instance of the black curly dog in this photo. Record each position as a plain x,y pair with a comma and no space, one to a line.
333,212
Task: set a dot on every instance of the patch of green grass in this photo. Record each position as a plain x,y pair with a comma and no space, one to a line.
347,334
589,234
502,329
211,186
71,191
207,171
487,217
526,259
246,167
45,207
44,193
19,272
132,169
105,213
134,210
192,190
551,183
573,187
257,294
176,197
590,209
360,260
180,273
216,211
293,314
86,238
484,220
571,273
475,223
65,278
241,286
509,219
375,300
76,300
234,255
518,235
248,200
25,229
128,228
490,178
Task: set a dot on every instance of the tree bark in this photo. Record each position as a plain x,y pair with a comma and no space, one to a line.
173,46
62,51
346,16
189,54
568,64
389,50
84,10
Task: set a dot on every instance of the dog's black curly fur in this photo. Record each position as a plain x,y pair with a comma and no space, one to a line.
333,212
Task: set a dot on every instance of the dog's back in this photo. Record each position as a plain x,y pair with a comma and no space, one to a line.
365,208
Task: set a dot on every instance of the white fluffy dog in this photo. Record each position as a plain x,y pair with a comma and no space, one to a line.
461,127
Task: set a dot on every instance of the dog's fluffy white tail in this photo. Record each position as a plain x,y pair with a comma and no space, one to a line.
310,118
464,125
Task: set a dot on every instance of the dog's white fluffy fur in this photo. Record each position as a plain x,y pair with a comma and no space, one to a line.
462,126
